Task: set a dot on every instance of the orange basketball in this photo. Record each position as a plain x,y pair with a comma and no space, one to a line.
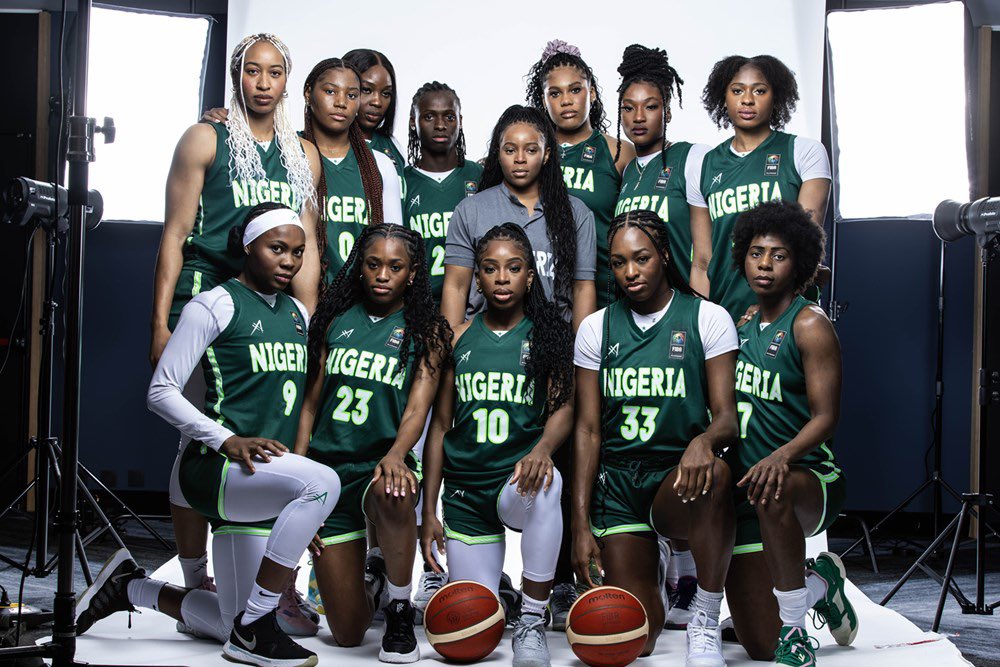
607,627
464,621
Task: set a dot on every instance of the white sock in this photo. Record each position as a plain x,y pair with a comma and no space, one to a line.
145,592
792,606
375,552
260,603
685,564
817,586
708,602
194,570
530,605
398,592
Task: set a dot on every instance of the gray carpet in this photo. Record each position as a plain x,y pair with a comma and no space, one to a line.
975,636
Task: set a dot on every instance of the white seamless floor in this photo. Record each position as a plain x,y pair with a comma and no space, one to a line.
884,638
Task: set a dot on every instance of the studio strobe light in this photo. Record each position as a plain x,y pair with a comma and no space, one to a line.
980,218
26,201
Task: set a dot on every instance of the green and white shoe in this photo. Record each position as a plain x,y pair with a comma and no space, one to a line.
795,647
834,608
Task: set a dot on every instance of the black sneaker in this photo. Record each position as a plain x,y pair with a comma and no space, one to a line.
263,643
510,599
398,642
109,593
375,581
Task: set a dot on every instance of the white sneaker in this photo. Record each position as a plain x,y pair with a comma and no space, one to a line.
430,583
704,645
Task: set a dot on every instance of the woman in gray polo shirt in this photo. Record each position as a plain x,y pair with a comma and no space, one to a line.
522,183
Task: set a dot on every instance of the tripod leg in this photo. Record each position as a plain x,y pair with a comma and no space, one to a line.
898,508
105,523
81,554
951,566
149,529
920,561
14,502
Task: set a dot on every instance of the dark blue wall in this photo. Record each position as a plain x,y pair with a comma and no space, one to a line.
886,270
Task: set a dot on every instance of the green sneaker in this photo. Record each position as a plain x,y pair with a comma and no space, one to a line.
795,647
834,608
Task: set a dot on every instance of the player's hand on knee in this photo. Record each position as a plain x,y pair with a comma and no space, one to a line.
533,473
431,533
216,115
585,552
694,473
244,450
395,475
765,480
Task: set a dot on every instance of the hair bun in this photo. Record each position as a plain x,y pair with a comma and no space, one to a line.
557,46
637,57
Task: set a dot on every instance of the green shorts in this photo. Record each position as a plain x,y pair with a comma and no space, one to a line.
748,539
190,283
347,521
202,476
471,514
622,499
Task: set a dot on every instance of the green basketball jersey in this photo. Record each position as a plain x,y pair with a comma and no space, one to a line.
771,390
364,389
346,210
653,382
428,208
590,174
255,370
733,184
224,203
498,417
661,187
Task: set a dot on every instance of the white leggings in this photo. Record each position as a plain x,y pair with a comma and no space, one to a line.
236,559
540,521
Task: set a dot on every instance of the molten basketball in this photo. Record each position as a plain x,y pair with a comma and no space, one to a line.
464,621
607,627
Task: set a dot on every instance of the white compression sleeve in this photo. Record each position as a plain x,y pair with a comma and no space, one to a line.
300,492
201,322
392,195
482,563
237,558
540,521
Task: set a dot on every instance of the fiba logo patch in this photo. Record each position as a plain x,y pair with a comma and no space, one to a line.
395,340
471,188
678,343
663,179
772,349
299,329
525,352
771,164
589,153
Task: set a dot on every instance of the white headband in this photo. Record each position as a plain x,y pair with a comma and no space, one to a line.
265,222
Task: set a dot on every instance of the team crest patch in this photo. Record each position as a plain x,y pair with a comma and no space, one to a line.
662,179
771,164
772,349
471,188
678,342
589,153
299,329
395,338
525,352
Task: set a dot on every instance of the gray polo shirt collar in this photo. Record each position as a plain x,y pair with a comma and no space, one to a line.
537,214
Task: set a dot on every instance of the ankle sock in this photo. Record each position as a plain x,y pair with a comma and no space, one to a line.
398,592
530,605
816,585
144,592
792,606
194,570
708,602
260,603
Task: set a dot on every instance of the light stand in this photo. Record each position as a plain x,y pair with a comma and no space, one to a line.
935,480
973,504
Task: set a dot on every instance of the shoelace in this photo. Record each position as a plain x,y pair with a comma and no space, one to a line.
529,633
394,622
564,593
433,580
818,618
792,645
702,639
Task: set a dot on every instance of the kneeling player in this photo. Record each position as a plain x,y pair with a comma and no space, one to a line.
501,412
651,367
788,378
251,339
375,349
